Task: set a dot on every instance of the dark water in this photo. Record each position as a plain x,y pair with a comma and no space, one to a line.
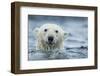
76,44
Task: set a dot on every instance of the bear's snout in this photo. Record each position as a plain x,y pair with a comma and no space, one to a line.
50,39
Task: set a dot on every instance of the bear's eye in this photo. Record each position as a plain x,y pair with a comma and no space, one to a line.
56,31
45,30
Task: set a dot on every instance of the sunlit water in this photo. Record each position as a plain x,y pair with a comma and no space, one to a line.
75,44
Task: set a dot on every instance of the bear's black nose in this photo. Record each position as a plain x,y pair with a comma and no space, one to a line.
50,38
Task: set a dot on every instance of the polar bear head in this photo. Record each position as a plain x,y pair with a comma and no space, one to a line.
50,37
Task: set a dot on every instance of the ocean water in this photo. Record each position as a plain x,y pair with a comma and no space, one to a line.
75,44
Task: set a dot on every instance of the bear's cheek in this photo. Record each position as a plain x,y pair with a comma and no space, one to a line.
60,37
39,35
42,36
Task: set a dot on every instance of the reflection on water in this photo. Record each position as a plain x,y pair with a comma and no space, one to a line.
76,43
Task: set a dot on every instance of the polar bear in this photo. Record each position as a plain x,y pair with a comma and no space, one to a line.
49,37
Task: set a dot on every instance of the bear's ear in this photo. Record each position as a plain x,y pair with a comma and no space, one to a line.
65,34
35,31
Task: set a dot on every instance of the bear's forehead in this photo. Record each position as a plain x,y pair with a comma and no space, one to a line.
51,26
